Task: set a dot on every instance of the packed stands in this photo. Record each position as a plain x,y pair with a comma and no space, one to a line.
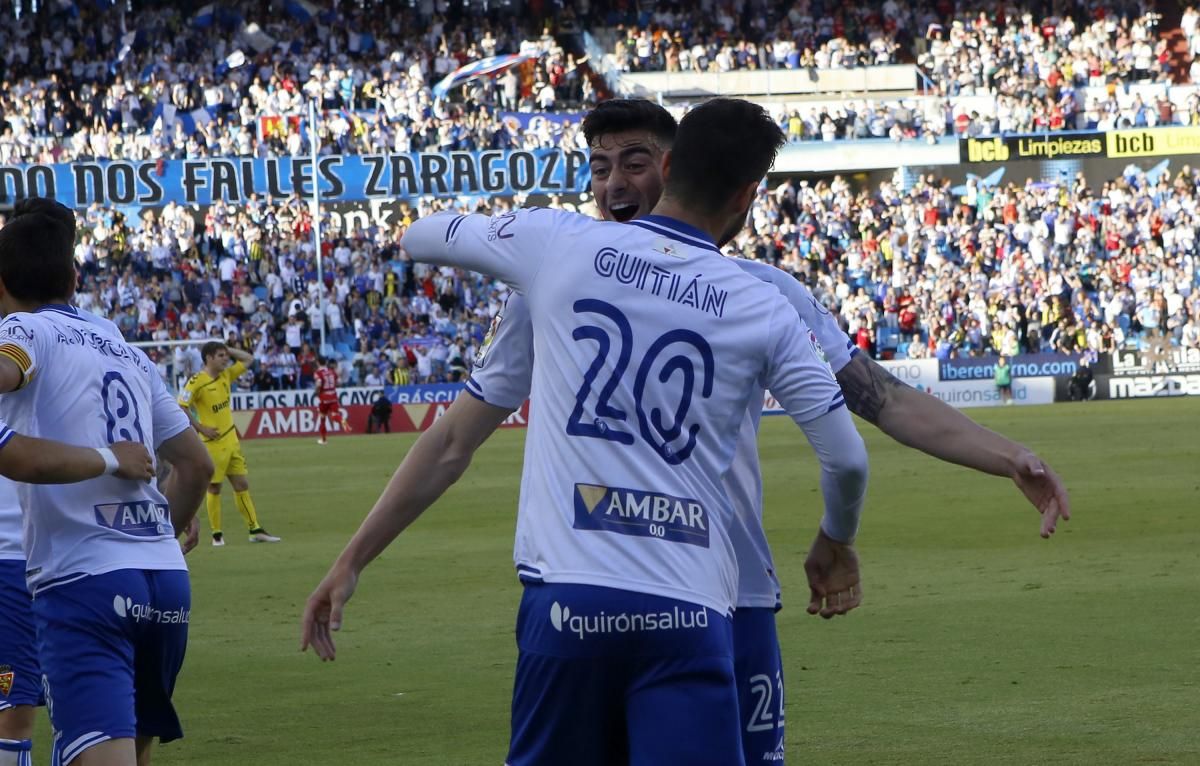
912,270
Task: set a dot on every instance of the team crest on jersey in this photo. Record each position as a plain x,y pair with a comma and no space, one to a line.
640,513
6,679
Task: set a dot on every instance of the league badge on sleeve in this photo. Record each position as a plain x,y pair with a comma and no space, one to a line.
486,346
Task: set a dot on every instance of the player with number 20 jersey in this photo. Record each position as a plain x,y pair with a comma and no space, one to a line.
658,345
502,377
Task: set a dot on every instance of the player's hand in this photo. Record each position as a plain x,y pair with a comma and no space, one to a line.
833,578
323,612
134,461
1044,489
191,536
207,431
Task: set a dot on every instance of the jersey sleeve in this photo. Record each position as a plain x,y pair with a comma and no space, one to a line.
836,345
510,246
169,420
187,394
795,373
503,371
19,343
6,434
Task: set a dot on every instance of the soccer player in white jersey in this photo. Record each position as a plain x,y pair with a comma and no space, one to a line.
627,139
649,348
110,587
37,461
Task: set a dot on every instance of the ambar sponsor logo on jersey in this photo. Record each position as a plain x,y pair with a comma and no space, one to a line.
141,518
640,513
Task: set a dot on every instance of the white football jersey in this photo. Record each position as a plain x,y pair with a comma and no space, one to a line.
503,373
84,385
649,347
10,510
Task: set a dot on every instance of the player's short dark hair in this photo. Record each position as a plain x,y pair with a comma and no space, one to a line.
209,349
37,251
621,114
722,145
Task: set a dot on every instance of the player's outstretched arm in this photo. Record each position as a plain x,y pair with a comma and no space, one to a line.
184,487
835,585
926,423
43,461
437,459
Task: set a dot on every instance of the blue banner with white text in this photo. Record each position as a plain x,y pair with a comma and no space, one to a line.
340,178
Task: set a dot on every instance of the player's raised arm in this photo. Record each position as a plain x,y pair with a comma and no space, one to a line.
927,423
436,461
510,246
239,356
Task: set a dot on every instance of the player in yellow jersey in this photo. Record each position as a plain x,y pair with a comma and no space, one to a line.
206,400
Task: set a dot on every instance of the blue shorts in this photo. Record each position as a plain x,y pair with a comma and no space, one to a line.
758,666
111,646
20,675
608,677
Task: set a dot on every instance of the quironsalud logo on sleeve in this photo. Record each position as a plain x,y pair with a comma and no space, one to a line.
640,513
139,518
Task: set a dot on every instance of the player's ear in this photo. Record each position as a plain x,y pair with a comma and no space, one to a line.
666,165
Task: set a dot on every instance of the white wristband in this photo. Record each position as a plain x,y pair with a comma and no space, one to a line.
111,464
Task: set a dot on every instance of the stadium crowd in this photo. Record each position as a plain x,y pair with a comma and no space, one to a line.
82,83
912,272
916,273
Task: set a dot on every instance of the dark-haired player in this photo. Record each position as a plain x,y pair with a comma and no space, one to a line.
110,587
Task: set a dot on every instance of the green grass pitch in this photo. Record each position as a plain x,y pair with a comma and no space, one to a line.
978,642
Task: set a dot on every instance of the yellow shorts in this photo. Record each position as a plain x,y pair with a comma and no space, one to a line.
227,458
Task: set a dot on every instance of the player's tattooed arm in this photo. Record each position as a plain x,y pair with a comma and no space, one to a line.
868,387
922,421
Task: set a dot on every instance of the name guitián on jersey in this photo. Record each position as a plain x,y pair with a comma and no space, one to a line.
640,513
649,347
